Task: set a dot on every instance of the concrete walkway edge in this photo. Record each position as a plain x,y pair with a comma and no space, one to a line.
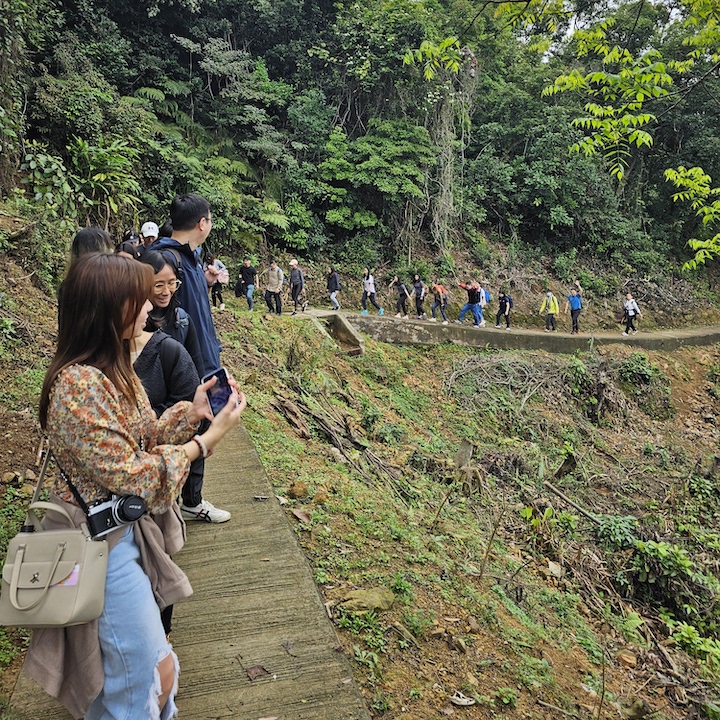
256,613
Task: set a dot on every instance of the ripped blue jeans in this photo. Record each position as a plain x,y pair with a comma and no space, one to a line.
132,641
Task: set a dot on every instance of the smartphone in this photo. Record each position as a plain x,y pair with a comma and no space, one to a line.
219,394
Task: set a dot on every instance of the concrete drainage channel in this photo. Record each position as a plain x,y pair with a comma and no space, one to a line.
344,334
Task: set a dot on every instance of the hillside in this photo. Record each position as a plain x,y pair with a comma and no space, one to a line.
503,590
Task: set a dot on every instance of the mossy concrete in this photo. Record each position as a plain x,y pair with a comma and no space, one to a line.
339,327
423,332
255,606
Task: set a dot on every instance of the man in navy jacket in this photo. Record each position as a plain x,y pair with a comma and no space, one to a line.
192,221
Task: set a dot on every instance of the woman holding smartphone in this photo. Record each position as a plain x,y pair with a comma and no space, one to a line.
107,440
168,316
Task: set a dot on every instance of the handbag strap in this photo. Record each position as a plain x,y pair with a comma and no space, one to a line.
32,522
17,565
41,479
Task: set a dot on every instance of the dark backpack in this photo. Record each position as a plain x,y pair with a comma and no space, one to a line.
169,356
178,259
182,324
510,300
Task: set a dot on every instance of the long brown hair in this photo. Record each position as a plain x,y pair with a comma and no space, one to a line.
102,296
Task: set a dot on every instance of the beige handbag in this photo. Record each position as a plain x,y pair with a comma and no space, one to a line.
52,578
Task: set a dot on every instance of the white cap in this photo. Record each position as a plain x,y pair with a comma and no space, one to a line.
150,229
293,262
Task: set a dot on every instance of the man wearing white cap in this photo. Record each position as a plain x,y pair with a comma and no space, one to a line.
149,233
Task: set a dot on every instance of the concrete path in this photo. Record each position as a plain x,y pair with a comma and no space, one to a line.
255,606
423,332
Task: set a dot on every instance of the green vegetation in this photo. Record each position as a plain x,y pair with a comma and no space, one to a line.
493,546
369,132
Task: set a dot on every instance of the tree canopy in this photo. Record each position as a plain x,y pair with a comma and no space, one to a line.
368,130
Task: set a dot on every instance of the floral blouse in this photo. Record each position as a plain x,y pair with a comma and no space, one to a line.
104,443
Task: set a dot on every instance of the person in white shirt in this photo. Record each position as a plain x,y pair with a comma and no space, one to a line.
369,292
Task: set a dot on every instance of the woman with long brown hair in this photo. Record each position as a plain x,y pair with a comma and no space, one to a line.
107,442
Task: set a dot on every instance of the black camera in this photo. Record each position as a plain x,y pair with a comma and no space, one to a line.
105,515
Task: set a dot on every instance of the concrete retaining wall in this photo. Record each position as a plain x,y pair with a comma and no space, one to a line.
422,332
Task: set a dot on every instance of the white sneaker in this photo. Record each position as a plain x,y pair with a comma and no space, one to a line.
432,320
398,315
205,512
445,322
634,332
497,326
482,324
405,317
222,306
624,334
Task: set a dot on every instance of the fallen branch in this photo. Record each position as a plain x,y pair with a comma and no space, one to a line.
22,231
564,497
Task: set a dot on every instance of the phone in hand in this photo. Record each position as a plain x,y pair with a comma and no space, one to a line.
219,394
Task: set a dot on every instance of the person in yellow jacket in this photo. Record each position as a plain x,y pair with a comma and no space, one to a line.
551,307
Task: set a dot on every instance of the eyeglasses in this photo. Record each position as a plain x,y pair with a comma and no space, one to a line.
171,285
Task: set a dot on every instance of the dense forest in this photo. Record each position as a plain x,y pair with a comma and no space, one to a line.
363,132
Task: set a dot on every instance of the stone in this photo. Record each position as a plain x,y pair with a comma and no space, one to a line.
359,601
473,625
30,475
298,490
626,658
320,497
637,709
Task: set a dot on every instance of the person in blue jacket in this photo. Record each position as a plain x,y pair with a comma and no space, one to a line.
574,304
191,222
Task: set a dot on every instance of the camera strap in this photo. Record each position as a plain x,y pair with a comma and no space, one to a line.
76,494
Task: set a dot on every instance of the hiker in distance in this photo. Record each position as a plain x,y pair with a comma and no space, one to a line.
551,307
505,303
631,311
440,300
475,302
419,291
574,304
273,291
369,292
247,280
297,285
403,295
333,287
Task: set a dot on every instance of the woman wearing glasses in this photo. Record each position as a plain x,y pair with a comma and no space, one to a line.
167,316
